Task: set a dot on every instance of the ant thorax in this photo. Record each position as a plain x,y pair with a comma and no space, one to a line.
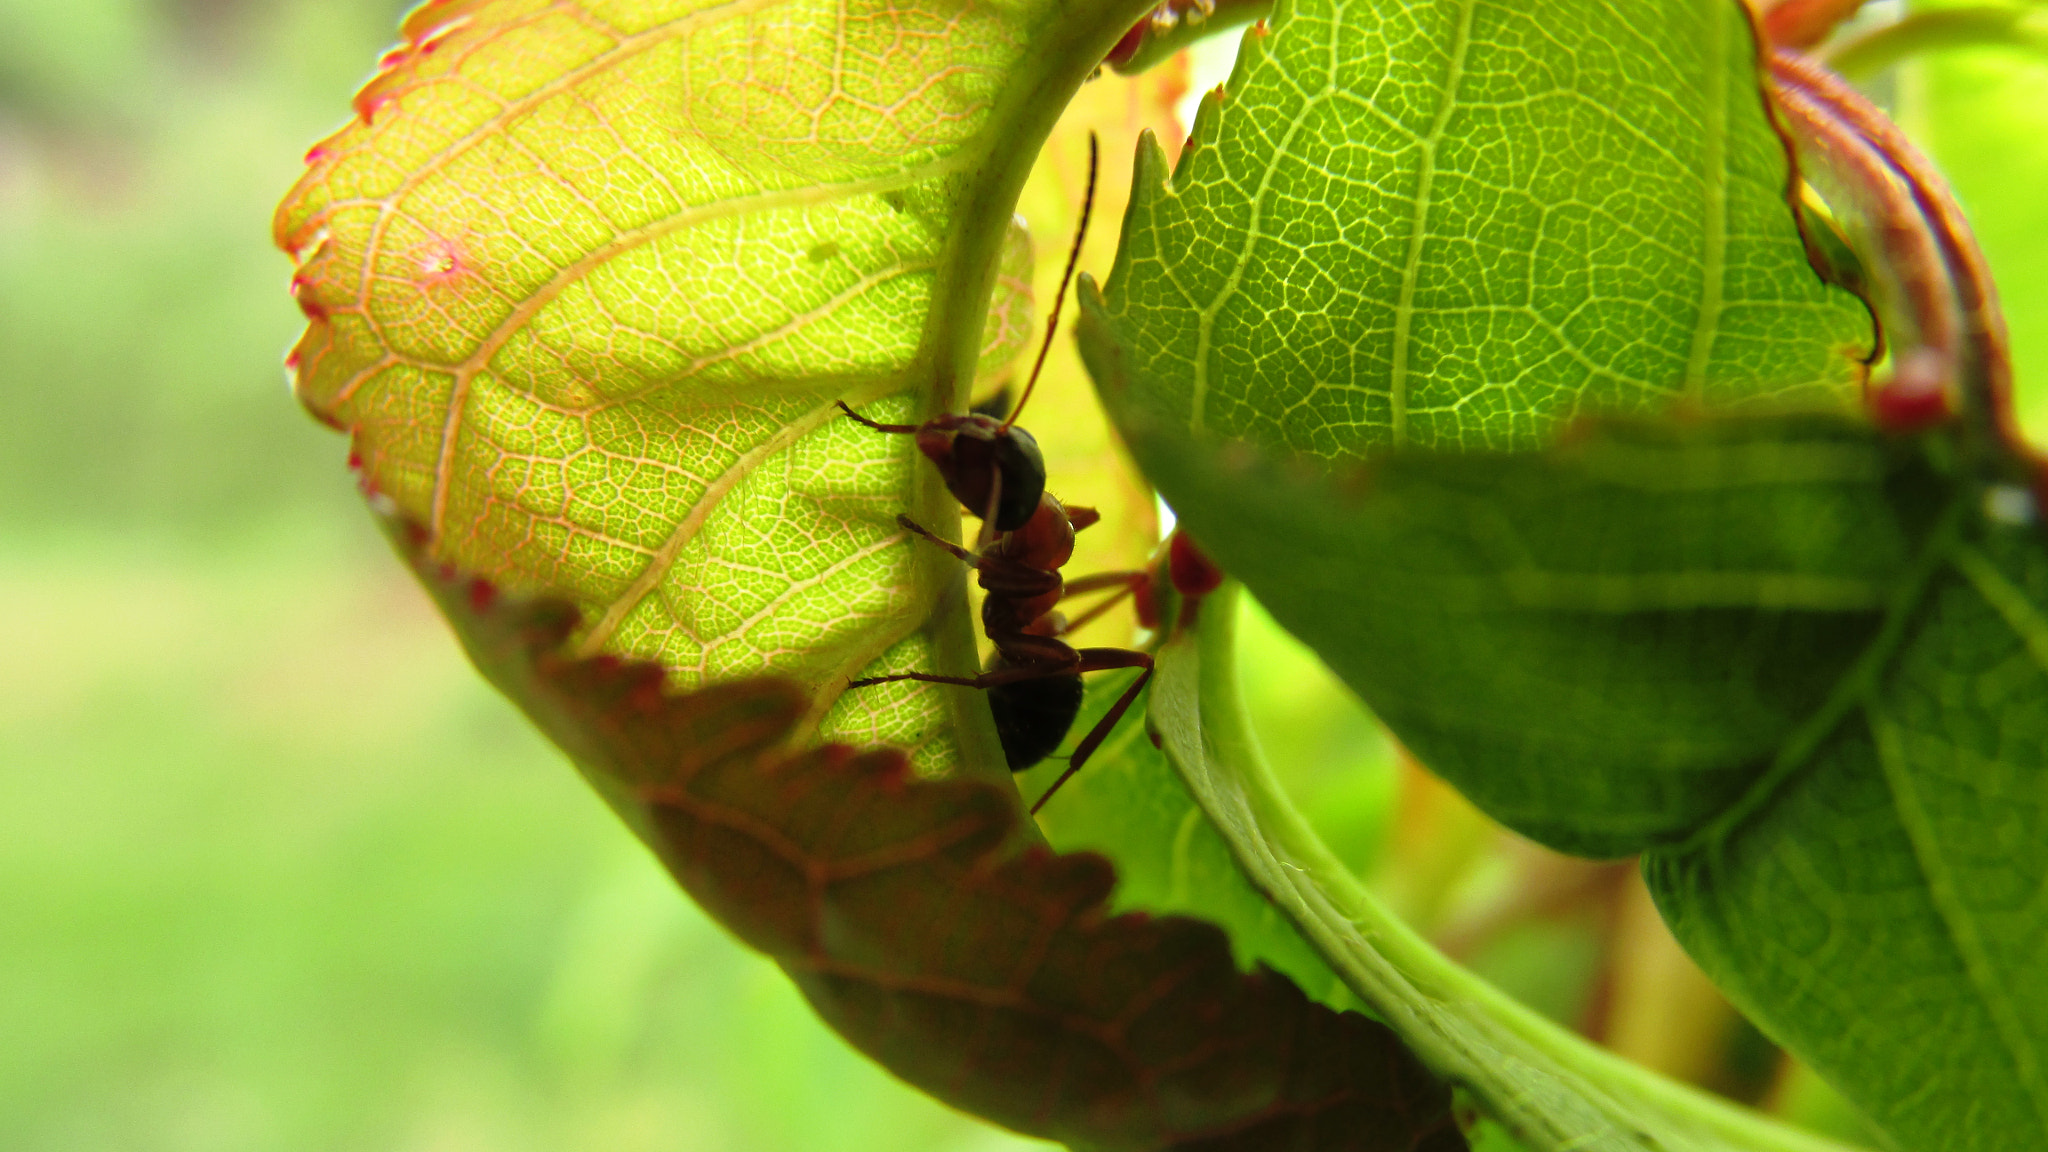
1044,541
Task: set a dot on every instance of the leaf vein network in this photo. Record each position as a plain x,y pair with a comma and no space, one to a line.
1411,272
526,310
774,604
1955,915
1206,314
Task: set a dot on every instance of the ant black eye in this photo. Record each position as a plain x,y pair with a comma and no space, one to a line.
1022,467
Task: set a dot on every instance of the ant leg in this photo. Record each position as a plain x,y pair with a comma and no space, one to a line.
1098,660
1036,657
988,514
1101,580
1125,584
999,576
921,677
876,425
909,525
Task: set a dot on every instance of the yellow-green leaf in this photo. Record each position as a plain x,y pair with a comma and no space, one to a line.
584,280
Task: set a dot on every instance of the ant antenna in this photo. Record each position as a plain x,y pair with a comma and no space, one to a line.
1073,257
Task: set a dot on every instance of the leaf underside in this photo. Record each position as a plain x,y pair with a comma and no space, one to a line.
584,279
992,978
1549,1088
583,282
1360,340
1884,909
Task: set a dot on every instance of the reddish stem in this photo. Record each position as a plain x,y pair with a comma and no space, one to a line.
1934,282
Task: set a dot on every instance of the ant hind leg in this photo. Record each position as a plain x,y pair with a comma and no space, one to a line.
922,677
1095,660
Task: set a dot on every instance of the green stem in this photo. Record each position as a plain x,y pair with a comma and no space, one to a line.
1065,54
1554,1089
1190,24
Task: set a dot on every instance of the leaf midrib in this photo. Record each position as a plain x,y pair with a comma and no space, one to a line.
2012,606
1851,691
1714,211
1956,920
1857,693
1418,236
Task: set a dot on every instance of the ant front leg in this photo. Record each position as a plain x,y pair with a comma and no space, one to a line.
899,429
998,575
909,525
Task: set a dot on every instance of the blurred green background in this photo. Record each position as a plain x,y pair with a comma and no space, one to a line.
277,871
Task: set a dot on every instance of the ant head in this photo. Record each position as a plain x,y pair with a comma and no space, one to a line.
972,452
1022,468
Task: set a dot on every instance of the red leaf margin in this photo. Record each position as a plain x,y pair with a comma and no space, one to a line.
926,929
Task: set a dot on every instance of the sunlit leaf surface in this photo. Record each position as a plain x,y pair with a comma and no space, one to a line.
584,280
1455,224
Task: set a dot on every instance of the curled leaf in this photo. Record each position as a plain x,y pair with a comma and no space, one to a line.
584,281
1551,1089
988,975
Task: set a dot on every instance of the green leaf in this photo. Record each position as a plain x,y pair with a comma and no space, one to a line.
1552,1090
1882,907
994,979
1651,633
584,280
1603,645
1457,224
1866,877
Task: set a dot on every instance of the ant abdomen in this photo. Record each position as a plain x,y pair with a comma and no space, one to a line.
1033,716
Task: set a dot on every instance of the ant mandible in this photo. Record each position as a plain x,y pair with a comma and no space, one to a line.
996,471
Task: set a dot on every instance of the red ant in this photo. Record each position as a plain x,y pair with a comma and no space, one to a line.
996,472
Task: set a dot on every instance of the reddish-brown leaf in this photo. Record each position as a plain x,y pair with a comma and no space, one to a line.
923,927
